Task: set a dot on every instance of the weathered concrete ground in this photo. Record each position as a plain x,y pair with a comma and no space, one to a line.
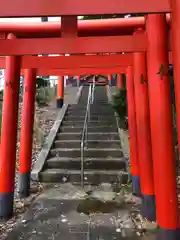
46,116
69,212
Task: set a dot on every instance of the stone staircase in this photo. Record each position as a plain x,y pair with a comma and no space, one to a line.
103,159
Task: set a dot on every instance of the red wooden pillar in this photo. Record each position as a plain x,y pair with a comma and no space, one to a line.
132,132
78,80
109,79
161,127
144,136
27,132
120,80
9,134
60,92
69,26
175,25
68,30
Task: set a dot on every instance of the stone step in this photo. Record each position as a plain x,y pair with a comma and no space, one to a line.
93,106
90,129
90,144
93,109
94,118
91,136
93,177
89,152
89,163
101,123
93,112
100,102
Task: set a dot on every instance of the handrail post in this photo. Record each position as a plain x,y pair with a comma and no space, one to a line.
84,139
86,133
93,87
82,164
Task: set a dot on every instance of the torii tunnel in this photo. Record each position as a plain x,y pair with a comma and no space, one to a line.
139,47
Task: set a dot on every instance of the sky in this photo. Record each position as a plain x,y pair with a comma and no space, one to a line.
34,19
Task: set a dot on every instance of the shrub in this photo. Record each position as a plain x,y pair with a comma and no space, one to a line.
0,117
38,132
45,95
1,95
41,96
41,82
119,104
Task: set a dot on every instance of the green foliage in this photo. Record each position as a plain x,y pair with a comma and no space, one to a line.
1,95
41,96
38,132
102,16
173,111
41,82
44,95
124,81
119,103
1,104
172,90
109,16
0,116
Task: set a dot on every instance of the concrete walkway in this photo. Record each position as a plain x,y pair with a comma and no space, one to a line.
70,94
63,212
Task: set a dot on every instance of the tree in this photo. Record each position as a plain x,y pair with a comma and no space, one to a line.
110,16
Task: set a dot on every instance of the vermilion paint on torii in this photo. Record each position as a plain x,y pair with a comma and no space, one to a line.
78,71
85,28
111,44
69,62
34,8
157,55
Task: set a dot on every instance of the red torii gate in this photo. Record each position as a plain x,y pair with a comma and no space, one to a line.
80,7
100,27
86,61
158,91
112,44
73,45
79,71
69,62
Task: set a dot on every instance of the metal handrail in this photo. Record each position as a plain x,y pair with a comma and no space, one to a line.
93,87
84,138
